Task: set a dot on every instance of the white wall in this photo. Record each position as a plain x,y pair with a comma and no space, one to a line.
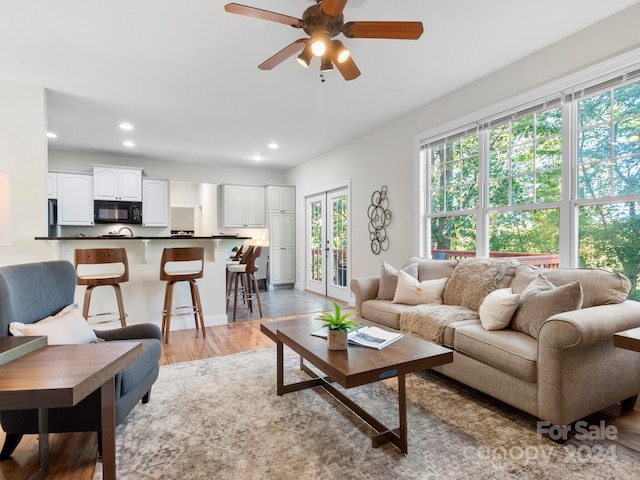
387,155
23,155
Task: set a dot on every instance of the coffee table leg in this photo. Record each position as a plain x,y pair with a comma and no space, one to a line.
108,417
402,412
280,368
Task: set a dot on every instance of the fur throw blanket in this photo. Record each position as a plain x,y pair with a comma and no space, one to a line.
429,321
475,278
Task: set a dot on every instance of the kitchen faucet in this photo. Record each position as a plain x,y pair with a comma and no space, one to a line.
125,228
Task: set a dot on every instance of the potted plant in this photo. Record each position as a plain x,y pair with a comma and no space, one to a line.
337,327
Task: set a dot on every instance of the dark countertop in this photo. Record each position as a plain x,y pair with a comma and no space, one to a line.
172,237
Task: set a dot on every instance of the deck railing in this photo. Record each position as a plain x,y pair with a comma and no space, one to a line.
546,260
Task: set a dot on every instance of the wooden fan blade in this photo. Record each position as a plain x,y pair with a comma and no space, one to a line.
348,68
396,30
283,54
333,8
263,14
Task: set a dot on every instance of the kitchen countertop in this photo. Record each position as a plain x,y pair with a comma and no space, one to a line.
136,237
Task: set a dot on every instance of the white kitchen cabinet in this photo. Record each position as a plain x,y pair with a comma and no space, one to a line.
282,248
52,185
282,252
282,199
115,183
242,206
155,202
75,199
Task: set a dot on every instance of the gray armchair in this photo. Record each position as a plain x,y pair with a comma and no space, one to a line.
31,292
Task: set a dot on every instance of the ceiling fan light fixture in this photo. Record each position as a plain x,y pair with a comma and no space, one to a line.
340,52
304,58
318,46
326,65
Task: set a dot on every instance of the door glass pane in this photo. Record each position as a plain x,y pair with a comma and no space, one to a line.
608,238
339,241
316,241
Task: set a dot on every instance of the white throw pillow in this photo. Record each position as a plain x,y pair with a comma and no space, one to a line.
412,292
66,327
497,308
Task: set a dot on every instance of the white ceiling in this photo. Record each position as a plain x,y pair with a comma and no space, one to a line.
184,72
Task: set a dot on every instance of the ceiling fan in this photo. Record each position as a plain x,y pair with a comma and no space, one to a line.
322,22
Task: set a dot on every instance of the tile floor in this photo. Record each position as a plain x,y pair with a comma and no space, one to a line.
282,302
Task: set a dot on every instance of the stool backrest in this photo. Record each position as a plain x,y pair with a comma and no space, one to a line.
102,256
182,254
251,265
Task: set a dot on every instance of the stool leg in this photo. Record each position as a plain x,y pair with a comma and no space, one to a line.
169,306
230,277
123,321
235,296
247,294
255,282
195,296
87,301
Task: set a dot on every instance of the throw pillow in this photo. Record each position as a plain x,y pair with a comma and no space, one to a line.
497,309
389,279
412,292
66,327
541,302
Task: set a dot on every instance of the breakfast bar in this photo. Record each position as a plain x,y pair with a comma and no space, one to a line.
143,294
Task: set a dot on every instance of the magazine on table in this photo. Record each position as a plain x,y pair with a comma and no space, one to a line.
371,337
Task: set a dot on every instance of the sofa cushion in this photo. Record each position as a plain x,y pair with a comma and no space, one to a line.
541,300
599,287
389,279
413,292
450,331
497,308
474,278
384,312
429,269
429,322
513,352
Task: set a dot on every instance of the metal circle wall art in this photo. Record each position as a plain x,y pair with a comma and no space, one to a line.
379,218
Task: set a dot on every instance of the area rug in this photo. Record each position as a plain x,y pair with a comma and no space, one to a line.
220,418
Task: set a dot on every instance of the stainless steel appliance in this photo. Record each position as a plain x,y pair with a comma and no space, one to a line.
107,211
52,212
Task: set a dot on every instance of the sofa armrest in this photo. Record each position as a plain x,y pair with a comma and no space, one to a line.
131,332
365,288
587,326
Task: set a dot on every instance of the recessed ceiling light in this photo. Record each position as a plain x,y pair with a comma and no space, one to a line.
51,135
126,126
256,158
128,144
273,145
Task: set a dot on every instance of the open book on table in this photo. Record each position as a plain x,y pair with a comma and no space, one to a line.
372,337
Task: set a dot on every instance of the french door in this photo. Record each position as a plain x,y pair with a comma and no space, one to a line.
327,244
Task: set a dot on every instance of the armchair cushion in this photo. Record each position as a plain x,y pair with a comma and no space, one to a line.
68,326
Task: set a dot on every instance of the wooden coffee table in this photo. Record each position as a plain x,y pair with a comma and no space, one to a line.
61,376
629,339
353,367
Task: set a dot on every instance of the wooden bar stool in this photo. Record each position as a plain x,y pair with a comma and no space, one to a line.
192,269
97,267
245,272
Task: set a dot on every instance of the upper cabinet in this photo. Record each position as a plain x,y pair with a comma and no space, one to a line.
242,206
282,199
75,199
52,185
155,202
115,183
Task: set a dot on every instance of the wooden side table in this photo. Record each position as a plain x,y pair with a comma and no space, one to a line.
61,376
629,339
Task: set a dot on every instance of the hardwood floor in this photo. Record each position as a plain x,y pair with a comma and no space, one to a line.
73,455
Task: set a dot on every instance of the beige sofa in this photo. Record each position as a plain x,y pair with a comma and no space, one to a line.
570,371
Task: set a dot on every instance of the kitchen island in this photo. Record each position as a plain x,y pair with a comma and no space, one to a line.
143,294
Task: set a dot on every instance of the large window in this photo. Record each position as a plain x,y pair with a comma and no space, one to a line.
515,185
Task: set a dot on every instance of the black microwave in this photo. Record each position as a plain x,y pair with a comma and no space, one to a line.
106,211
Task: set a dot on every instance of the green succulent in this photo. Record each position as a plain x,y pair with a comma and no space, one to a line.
337,321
